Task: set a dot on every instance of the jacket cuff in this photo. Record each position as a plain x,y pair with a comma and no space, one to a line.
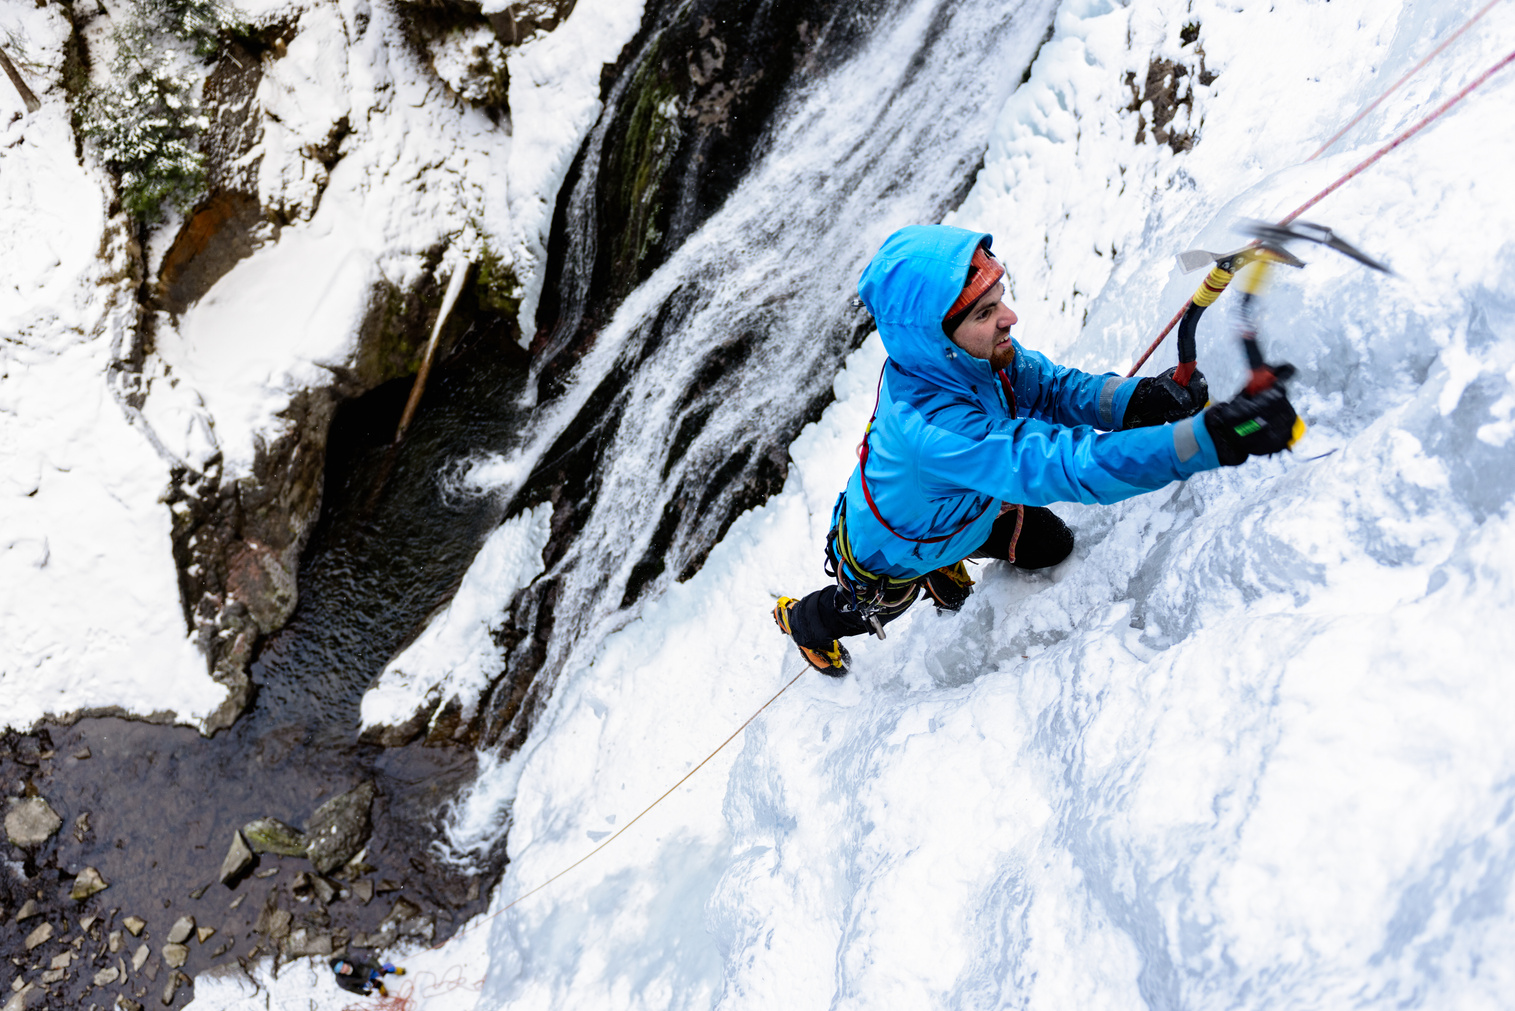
1193,446
1114,397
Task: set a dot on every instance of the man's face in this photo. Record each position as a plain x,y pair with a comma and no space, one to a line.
985,332
345,968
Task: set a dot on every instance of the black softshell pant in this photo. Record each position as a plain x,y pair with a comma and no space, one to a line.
828,614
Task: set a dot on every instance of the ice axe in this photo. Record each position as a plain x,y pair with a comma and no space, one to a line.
1273,237
1268,246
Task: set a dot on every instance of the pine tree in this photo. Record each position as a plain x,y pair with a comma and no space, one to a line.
144,120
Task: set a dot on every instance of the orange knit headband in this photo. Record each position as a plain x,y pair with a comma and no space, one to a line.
983,272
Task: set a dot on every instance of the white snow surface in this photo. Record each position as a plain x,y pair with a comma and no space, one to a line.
90,613
89,599
1247,748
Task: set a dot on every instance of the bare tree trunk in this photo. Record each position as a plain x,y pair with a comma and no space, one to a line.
32,105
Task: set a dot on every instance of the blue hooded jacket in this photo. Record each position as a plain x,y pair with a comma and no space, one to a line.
947,445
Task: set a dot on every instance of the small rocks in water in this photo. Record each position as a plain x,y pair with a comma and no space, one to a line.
325,890
267,872
270,835
203,934
41,935
134,925
180,931
83,753
53,976
385,886
305,941
86,884
340,827
172,986
30,995
81,827
28,910
198,892
237,901
61,961
363,890
402,910
175,955
115,942
140,958
224,947
274,923
152,970
127,1004
85,922
238,859
106,976
30,821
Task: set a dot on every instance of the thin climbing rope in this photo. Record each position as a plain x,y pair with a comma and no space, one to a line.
617,834
1408,74
1317,198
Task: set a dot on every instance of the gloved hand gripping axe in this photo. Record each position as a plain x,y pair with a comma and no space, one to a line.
1266,249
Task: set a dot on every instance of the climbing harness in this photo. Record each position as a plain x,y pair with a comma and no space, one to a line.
1222,279
872,595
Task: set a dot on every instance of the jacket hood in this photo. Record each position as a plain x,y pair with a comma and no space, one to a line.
908,286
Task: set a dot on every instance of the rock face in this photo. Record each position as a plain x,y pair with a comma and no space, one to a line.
270,835
30,822
239,528
339,828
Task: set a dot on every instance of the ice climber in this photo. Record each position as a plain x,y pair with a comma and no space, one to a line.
974,435
362,976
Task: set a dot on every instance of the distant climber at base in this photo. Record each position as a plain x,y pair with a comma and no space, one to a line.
363,976
974,435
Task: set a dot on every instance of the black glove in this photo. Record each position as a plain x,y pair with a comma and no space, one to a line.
1158,400
1259,425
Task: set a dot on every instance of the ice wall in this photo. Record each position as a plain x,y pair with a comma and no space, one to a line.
1248,747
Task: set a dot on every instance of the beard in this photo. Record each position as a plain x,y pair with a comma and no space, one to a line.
1001,359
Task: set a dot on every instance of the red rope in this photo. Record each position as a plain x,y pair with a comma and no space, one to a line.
1412,131
1317,198
1408,74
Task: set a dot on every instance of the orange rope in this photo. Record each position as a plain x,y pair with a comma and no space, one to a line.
403,997
617,834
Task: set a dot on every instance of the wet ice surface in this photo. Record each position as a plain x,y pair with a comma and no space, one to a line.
1248,747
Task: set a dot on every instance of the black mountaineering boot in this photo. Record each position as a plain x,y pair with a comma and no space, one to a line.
833,661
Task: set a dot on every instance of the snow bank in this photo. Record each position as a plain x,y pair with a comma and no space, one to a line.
89,598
